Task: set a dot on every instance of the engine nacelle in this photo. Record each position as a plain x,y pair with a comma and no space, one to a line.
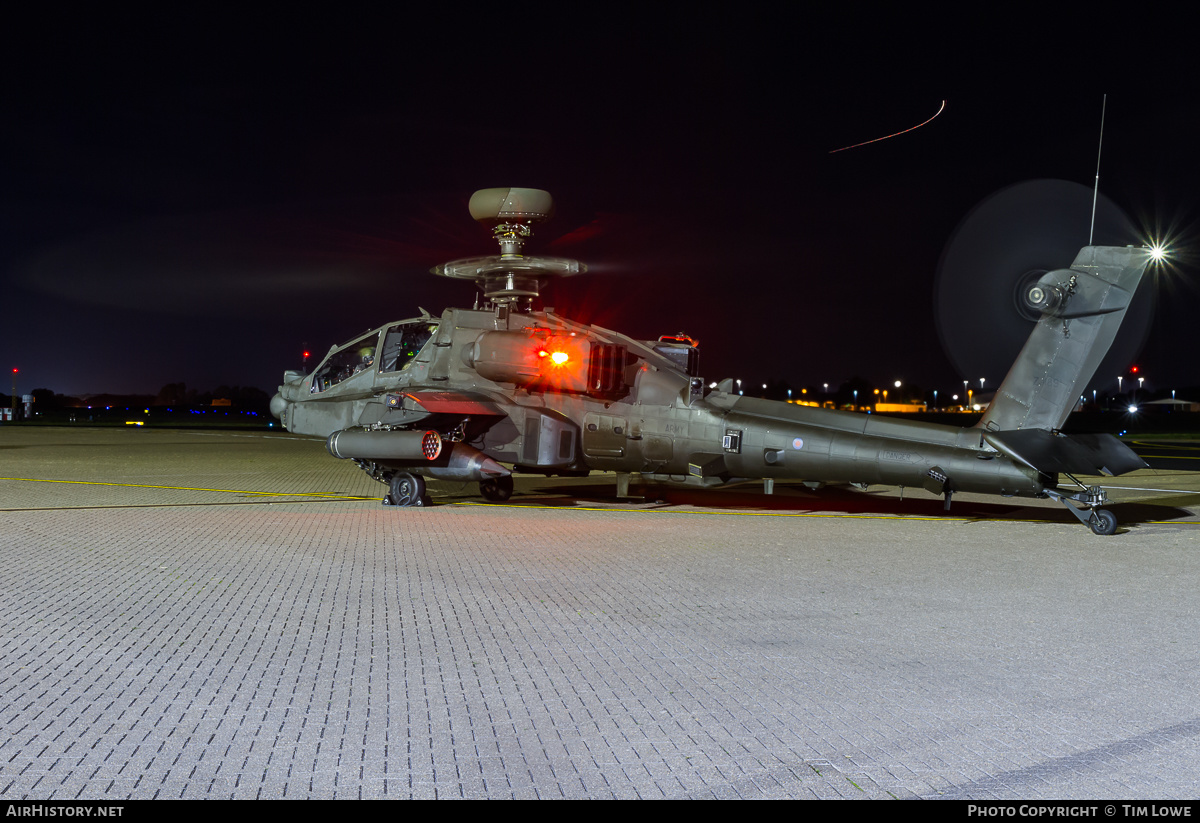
538,359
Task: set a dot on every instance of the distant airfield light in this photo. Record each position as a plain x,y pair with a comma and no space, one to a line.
1133,409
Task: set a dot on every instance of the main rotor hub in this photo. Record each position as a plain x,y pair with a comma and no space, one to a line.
510,277
511,214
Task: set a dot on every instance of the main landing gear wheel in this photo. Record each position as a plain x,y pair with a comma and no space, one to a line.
497,489
1103,521
406,490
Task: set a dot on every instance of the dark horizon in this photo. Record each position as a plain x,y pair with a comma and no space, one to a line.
201,208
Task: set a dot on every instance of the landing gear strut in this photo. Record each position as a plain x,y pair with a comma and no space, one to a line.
1100,521
406,490
497,489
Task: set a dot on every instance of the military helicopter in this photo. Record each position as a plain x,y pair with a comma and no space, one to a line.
477,394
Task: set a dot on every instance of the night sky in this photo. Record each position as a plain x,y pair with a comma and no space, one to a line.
199,199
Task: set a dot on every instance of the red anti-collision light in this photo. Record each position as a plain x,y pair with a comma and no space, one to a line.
558,358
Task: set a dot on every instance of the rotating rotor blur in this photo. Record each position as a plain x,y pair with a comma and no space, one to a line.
998,252
510,277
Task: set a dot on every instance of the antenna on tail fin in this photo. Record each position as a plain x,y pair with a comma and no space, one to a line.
1096,188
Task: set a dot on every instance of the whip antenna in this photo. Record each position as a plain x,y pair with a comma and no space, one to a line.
1096,189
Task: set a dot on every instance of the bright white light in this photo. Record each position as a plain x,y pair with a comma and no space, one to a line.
1133,409
1158,252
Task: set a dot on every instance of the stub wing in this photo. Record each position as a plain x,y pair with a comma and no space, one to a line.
454,402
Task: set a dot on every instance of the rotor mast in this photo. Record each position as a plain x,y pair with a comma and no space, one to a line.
510,279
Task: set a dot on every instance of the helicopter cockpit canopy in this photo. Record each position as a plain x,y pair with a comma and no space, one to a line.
346,362
401,343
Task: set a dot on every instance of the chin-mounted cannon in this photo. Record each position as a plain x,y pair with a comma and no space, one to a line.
510,278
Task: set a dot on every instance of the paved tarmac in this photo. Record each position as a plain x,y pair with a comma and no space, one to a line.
206,614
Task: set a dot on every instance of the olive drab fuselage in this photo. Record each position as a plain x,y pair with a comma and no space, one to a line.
489,379
470,394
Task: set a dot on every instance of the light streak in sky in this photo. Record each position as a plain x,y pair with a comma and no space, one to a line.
885,137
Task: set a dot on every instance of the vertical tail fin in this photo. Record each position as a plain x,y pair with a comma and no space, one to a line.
1082,307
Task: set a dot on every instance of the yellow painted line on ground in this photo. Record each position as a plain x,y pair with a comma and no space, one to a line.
1167,444
192,489
1163,444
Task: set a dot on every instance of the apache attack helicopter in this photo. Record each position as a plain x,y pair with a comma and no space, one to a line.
477,394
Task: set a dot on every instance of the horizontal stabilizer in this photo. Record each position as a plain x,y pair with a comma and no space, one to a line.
1068,454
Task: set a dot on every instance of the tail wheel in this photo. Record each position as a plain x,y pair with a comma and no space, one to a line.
497,489
407,490
1103,521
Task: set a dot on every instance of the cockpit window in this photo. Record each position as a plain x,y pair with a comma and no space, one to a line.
345,362
401,344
